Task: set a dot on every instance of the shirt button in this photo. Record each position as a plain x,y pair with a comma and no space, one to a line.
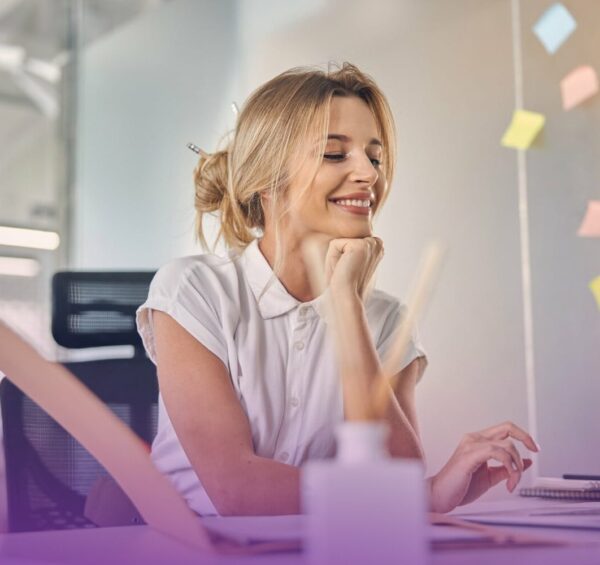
299,345
303,310
284,456
294,402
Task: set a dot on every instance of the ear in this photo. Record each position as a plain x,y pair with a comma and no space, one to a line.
265,203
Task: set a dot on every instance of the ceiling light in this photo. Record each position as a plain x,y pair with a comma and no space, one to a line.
18,267
35,239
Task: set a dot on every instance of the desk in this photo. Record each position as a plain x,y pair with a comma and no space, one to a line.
142,545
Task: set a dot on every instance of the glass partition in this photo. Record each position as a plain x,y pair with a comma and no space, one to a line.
561,176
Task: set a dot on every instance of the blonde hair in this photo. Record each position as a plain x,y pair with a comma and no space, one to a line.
271,130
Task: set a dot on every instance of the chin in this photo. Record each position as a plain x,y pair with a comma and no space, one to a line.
354,232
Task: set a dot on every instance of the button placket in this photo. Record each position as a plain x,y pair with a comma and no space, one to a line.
302,324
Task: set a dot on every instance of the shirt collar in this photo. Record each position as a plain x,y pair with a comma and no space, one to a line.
271,296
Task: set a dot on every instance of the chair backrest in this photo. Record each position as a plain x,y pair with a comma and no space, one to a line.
48,473
95,309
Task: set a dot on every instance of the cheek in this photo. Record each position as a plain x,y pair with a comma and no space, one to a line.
379,190
325,183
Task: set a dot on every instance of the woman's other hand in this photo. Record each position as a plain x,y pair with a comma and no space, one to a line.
351,263
467,474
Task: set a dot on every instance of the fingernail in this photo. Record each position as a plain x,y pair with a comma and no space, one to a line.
537,445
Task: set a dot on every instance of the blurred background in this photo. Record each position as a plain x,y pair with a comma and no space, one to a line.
98,99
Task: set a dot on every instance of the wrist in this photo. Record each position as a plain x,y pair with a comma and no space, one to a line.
345,296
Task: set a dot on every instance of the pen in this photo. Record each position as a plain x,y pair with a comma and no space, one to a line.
197,150
582,477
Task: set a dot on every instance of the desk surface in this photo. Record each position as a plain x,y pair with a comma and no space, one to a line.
140,544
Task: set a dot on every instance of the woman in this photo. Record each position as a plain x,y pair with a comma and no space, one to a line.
250,388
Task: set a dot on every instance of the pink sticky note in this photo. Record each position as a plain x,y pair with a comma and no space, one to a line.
590,227
579,85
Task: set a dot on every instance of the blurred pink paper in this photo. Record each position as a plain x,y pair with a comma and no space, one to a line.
579,85
590,227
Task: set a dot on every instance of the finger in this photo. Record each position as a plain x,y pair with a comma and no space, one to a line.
378,240
508,429
512,449
503,456
372,260
480,454
334,252
365,248
377,246
499,473
499,454
376,252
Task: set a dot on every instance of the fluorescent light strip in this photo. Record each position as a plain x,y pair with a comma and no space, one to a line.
19,267
34,239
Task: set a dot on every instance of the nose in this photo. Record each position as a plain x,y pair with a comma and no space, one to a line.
363,170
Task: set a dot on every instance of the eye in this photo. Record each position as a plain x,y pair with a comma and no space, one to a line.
376,162
334,156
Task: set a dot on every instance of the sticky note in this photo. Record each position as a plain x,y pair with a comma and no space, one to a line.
523,129
590,227
554,27
594,286
579,85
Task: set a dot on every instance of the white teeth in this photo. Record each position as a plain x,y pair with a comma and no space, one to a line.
356,203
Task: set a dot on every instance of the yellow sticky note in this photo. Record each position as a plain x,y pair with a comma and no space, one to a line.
595,288
579,85
590,226
523,129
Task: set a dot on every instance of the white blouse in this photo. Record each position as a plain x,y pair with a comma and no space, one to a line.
276,350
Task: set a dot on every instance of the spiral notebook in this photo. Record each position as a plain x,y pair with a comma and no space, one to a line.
563,494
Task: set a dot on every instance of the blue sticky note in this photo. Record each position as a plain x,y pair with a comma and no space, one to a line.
554,27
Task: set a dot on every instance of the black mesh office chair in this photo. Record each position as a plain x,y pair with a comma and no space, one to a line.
48,473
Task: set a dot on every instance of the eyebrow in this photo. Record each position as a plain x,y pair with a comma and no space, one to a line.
342,137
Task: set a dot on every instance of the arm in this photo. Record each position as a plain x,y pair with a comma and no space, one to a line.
359,360
405,388
467,474
214,430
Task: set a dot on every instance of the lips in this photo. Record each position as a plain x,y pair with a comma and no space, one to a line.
356,203
353,206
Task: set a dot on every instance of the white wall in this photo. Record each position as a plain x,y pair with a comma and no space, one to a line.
446,68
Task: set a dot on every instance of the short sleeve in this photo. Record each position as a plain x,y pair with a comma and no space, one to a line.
391,325
185,290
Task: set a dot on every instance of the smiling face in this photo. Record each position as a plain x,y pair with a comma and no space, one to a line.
349,183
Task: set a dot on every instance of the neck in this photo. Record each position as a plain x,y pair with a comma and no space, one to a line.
293,273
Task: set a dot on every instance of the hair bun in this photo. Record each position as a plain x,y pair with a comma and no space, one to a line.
210,181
